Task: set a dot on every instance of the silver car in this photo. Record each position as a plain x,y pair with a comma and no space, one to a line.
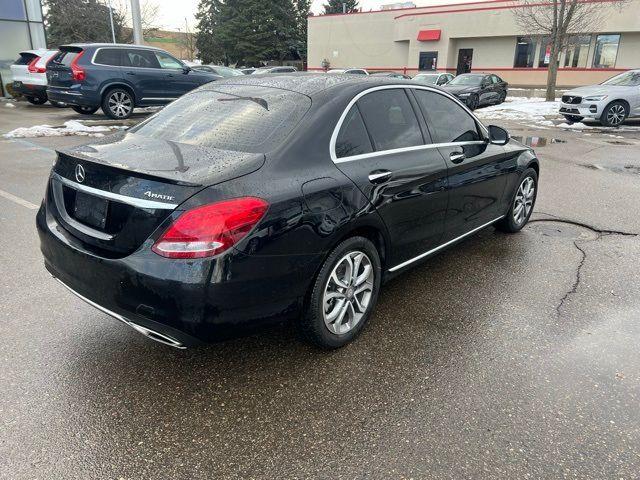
611,102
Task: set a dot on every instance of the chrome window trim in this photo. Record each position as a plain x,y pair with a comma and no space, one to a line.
136,202
336,130
440,247
135,47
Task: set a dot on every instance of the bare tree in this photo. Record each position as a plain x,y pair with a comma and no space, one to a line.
557,20
150,12
187,42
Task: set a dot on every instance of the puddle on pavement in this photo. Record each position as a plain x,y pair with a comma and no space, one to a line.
632,169
557,229
618,142
537,141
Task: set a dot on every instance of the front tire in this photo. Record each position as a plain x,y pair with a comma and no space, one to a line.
84,110
343,294
118,104
614,114
473,102
36,100
522,204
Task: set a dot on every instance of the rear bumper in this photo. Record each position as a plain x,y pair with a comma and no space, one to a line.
73,96
30,90
188,302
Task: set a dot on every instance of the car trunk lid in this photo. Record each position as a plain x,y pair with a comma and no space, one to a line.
59,72
112,195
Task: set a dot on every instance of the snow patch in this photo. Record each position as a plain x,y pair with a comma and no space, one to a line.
527,109
71,127
9,105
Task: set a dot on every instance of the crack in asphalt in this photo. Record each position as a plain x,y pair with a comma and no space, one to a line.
599,234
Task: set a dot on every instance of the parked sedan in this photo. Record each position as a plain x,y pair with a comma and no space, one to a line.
478,89
282,69
222,71
611,102
291,197
29,75
390,75
118,78
434,78
350,71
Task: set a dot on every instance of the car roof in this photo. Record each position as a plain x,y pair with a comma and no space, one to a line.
310,84
110,45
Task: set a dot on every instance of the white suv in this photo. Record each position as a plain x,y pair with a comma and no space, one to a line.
611,102
30,77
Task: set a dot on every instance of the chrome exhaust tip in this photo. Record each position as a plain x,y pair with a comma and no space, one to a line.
147,332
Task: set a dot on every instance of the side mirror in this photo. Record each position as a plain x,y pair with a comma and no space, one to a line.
498,135
186,69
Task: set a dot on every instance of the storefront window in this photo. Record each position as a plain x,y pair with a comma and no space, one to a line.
577,51
15,37
606,51
12,10
525,52
544,57
34,11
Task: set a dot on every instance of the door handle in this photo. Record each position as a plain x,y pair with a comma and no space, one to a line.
130,73
457,157
379,176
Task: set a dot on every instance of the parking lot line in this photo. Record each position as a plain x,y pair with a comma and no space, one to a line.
18,200
32,145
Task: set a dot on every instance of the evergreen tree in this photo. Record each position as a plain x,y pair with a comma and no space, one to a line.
68,21
250,31
335,6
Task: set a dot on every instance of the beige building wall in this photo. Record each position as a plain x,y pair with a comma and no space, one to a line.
387,40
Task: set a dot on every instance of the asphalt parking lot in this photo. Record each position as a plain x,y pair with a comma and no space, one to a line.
508,356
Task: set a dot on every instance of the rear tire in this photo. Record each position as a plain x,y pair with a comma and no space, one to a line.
36,100
614,114
84,110
522,203
118,104
341,302
573,118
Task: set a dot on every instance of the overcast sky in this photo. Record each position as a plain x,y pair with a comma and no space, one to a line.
173,12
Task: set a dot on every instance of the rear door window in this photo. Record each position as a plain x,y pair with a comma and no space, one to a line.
108,56
353,138
390,119
448,121
244,118
140,59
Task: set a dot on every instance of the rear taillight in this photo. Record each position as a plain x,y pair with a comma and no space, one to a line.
32,66
210,229
78,72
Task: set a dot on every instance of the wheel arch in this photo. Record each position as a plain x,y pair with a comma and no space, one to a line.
109,86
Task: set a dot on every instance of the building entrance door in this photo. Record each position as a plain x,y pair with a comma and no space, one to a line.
465,56
428,61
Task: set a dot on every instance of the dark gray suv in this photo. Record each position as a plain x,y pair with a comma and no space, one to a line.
118,78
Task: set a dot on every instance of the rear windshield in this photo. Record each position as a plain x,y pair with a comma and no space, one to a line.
25,59
243,118
64,57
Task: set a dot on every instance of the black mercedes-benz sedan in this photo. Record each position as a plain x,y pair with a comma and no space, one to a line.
477,89
274,197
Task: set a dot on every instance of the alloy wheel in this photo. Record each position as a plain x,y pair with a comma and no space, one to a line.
348,292
616,114
120,104
523,202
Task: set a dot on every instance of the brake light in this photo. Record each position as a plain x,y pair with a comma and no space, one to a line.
32,66
210,229
78,72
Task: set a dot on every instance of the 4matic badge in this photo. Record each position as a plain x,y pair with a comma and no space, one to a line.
158,196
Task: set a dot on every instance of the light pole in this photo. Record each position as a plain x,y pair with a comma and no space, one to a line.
137,22
113,32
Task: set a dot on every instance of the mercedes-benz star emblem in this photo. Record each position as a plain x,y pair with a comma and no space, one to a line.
79,173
